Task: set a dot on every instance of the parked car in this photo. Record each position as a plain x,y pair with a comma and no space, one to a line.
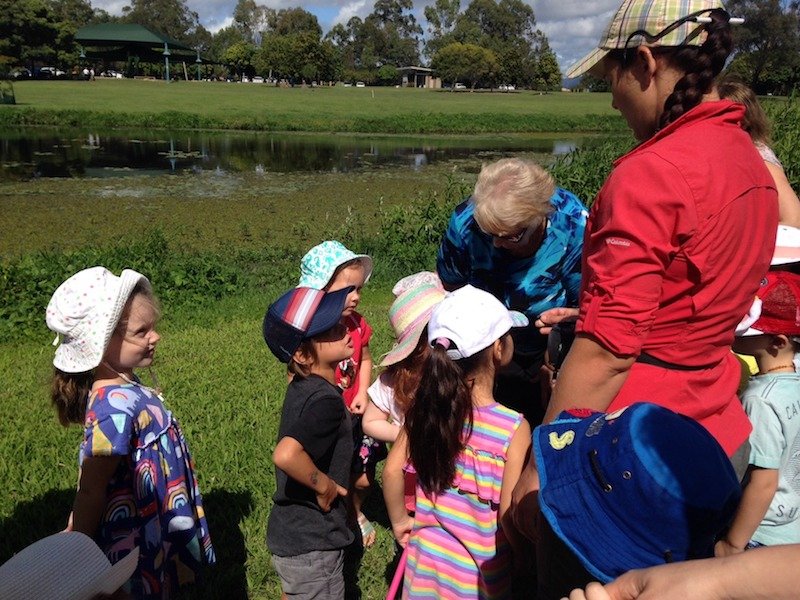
111,73
506,88
21,74
459,86
49,73
257,79
360,84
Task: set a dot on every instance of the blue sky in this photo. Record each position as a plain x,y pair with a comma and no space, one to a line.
572,26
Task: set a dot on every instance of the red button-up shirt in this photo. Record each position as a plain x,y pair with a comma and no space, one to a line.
676,244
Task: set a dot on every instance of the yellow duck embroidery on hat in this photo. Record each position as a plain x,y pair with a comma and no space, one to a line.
559,442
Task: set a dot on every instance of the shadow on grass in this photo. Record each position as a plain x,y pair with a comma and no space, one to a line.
34,519
47,514
228,578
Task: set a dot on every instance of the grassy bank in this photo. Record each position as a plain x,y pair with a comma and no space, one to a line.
218,375
218,250
207,105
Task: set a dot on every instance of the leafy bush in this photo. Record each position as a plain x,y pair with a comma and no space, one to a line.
785,117
584,170
408,236
27,284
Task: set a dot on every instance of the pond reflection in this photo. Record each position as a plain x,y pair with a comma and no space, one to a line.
26,154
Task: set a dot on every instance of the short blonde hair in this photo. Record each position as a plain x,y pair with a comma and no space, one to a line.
512,193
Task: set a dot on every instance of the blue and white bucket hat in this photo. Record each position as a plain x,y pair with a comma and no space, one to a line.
320,263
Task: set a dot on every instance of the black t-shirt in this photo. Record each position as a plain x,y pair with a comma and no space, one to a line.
313,414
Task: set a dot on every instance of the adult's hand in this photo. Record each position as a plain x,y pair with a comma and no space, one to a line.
545,321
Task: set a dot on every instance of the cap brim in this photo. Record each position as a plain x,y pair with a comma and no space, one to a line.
518,319
586,63
328,313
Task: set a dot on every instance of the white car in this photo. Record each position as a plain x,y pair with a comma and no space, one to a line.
257,79
50,72
506,88
459,86
360,84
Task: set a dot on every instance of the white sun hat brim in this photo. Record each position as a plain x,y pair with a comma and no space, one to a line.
64,566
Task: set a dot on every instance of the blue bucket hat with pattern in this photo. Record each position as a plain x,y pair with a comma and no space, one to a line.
635,488
319,264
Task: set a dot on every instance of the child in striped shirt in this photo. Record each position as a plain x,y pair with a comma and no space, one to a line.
467,450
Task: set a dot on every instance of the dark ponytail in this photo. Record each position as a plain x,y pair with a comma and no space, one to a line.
701,66
435,421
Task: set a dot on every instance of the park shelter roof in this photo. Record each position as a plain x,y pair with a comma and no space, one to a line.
114,41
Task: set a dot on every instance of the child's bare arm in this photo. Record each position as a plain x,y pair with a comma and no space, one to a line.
91,499
755,501
393,488
376,425
290,457
359,404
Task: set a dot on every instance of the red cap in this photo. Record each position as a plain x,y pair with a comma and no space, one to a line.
780,305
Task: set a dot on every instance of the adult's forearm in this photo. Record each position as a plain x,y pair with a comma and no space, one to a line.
590,377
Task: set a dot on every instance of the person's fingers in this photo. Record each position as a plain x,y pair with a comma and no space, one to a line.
340,490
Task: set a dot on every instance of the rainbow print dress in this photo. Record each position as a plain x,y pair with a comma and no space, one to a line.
153,499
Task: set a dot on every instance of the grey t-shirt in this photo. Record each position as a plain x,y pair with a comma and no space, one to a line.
313,414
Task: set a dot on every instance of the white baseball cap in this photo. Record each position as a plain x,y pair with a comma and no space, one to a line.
472,320
64,566
84,311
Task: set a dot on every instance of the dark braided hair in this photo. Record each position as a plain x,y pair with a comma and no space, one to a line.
435,421
701,66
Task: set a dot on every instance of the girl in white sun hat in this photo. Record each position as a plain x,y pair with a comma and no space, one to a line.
137,487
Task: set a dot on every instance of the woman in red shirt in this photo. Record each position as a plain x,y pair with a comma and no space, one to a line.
677,240
681,232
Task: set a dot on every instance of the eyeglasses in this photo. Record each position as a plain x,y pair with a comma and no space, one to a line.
511,239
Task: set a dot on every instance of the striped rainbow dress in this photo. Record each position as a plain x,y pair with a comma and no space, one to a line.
457,549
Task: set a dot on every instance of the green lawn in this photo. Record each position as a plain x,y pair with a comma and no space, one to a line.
226,389
136,103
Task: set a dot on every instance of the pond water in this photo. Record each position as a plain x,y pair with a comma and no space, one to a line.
33,153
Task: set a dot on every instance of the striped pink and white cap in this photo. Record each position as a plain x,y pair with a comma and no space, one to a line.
299,314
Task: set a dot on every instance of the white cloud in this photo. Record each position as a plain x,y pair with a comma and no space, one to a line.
359,8
573,27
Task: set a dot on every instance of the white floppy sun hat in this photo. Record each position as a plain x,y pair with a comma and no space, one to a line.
84,311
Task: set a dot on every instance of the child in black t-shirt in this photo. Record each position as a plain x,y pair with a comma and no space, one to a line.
307,529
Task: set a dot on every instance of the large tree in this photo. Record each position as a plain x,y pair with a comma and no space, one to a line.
295,20
506,27
171,17
468,63
252,20
768,44
28,32
392,33
301,56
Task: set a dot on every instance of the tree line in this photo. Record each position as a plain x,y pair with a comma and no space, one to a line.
487,43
